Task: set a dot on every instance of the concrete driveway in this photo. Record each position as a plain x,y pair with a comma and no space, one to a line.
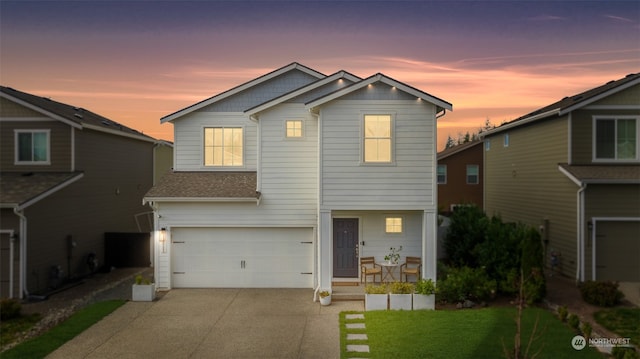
216,323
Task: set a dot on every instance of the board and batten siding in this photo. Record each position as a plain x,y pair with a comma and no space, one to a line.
189,140
348,183
523,184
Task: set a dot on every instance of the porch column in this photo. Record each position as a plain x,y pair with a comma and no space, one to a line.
325,271
429,245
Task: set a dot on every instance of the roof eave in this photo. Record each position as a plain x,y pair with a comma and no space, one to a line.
598,97
200,199
41,110
49,192
514,124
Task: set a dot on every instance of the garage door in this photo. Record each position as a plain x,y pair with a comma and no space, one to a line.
617,251
242,257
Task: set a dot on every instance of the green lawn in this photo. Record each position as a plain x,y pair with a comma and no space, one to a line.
477,333
622,321
40,346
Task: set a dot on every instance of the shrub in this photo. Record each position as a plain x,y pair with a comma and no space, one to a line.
401,288
535,287
563,313
375,289
574,321
9,309
586,329
425,286
466,283
496,254
467,229
604,294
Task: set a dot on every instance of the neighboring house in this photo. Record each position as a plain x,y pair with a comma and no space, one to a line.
572,169
162,159
460,176
67,176
286,180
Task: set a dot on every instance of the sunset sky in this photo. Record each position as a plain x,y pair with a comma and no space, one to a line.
136,61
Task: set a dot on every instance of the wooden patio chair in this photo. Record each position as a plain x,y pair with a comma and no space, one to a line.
369,267
411,267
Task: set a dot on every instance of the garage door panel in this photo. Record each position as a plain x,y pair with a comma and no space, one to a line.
242,257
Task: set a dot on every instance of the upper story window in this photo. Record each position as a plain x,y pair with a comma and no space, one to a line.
442,174
32,147
506,140
616,139
473,174
223,146
377,138
393,225
487,145
293,128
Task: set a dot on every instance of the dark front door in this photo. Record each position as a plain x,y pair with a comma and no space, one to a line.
345,247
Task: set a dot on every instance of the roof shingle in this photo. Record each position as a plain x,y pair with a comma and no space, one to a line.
205,185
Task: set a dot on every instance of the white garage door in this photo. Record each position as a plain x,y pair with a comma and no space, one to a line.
242,257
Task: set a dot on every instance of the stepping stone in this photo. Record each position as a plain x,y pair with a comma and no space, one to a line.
358,348
355,326
357,337
354,316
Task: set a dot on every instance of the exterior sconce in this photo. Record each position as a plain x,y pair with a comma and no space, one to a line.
590,226
163,239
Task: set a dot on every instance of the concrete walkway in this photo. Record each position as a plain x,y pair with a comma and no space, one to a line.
216,323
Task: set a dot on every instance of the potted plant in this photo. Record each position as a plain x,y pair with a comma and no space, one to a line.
400,297
375,297
424,296
394,255
143,290
325,297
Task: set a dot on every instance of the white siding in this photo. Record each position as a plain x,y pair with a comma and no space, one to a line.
408,183
189,137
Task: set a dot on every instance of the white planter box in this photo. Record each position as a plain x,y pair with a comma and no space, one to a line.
143,292
325,300
375,301
424,301
400,301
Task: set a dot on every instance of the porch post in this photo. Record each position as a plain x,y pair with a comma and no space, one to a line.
325,262
429,245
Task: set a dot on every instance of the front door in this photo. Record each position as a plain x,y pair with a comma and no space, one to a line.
345,247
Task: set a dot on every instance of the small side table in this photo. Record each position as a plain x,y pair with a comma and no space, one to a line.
388,271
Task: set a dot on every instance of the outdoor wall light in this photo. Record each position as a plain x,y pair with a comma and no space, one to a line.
163,239
590,226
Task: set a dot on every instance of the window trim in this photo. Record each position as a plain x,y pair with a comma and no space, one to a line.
16,151
286,129
506,140
391,216
615,118
392,159
203,145
477,175
438,174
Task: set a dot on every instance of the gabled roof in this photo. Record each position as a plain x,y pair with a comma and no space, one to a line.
602,174
441,104
456,149
302,90
71,115
240,88
571,103
20,190
205,186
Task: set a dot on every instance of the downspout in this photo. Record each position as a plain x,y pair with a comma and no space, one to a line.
318,229
444,112
23,252
580,245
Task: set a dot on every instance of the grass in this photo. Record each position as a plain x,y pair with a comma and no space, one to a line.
41,346
622,321
461,334
10,328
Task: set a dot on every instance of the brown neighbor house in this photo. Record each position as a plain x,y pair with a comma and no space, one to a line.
572,170
67,176
460,176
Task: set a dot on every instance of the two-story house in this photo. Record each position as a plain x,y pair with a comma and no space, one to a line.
460,176
572,169
67,176
286,180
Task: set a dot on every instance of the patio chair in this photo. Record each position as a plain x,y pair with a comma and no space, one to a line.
411,267
369,267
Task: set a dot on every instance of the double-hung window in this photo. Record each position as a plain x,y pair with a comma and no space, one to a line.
616,139
442,174
377,139
293,128
32,147
223,146
473,174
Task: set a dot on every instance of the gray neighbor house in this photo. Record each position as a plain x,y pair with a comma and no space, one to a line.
67,176
572,170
